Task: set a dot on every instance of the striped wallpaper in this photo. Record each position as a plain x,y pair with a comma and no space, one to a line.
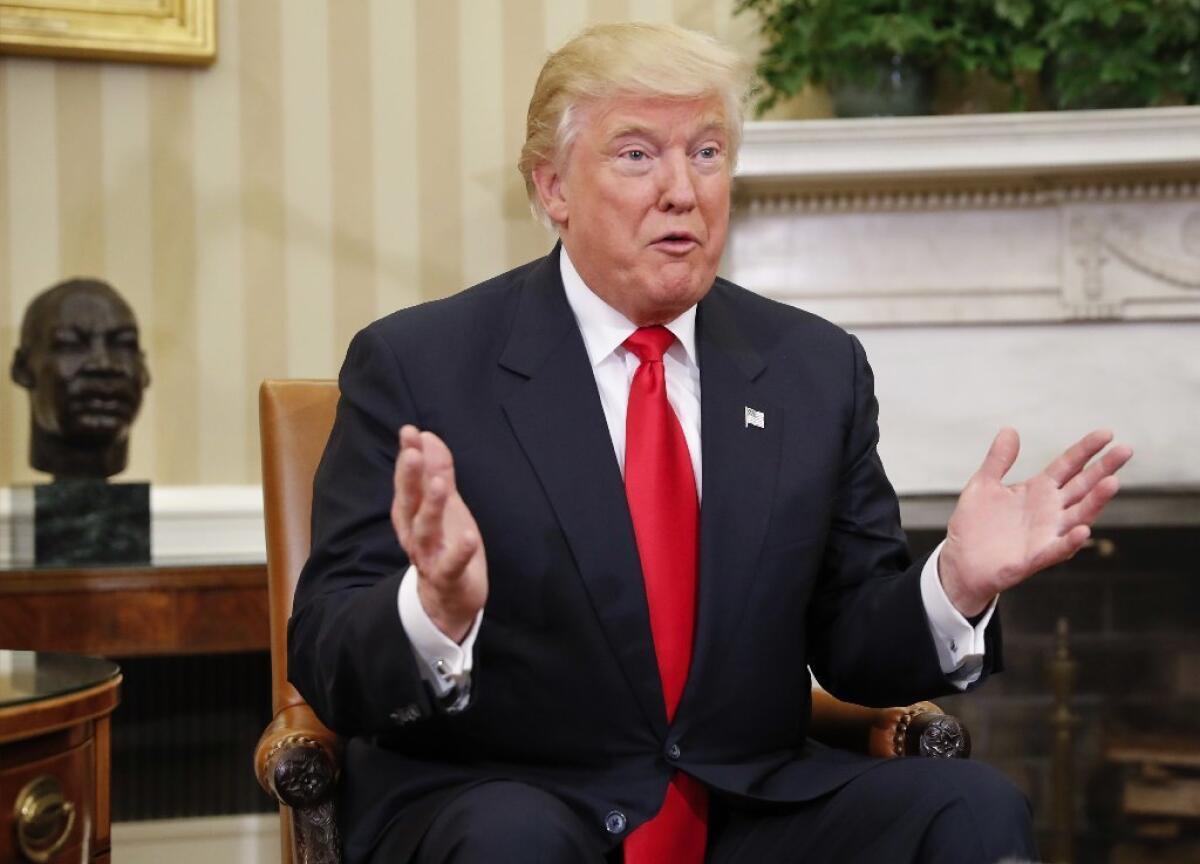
342,159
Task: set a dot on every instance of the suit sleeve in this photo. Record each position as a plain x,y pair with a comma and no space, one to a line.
870,640
348,654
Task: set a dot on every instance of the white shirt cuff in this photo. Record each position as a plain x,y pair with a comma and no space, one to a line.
445,664
960,646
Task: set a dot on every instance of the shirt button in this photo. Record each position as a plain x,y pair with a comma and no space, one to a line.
673,752
953,645
614,822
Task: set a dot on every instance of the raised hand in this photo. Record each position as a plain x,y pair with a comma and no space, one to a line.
1000,535
438,533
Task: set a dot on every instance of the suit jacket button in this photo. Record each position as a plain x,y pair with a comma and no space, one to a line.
614,822
673,752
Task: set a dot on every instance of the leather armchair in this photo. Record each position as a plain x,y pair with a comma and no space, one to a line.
297,759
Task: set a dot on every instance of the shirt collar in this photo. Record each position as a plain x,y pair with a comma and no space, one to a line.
603,327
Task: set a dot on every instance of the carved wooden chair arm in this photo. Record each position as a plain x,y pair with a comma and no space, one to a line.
921,729
297,759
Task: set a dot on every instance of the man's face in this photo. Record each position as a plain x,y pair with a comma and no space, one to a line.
642,202
86,370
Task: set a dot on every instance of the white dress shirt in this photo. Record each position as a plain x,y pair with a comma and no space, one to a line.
446,664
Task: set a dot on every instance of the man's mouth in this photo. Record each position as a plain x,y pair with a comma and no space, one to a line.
99,405
101,402
676,242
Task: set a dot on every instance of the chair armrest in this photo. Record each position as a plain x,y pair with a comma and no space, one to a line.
924,729
297,760
921,729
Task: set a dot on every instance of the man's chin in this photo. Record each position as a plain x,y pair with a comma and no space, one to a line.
665,307
97,428
680,284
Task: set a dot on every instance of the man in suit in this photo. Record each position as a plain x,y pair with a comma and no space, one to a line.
567,613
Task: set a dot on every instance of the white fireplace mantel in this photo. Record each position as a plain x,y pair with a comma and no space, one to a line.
1039,270
997,218
1031,144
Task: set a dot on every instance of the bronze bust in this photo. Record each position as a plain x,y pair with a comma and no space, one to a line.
80,359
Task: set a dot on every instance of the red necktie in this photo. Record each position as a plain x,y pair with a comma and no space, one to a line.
661,488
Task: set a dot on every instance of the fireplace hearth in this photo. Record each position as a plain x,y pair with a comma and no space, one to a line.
1132,600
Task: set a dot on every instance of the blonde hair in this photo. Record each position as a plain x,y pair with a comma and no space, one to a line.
629,59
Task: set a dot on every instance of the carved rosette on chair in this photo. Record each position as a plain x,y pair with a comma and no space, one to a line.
921,729
297,762
925,731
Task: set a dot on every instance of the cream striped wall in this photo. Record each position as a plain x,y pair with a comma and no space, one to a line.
343,158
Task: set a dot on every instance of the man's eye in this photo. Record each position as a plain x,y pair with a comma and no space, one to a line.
65,342
708,152
635,155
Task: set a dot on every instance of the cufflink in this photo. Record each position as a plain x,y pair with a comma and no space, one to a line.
405,715
457,700
451,693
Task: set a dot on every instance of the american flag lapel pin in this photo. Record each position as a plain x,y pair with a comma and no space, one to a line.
755,417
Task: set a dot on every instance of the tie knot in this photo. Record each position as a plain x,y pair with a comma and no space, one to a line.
650,343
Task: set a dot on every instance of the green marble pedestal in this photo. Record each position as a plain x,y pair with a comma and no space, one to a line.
86,522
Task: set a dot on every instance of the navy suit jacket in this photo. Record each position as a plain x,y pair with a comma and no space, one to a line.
802,562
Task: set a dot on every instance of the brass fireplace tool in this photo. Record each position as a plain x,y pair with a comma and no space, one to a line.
1063,724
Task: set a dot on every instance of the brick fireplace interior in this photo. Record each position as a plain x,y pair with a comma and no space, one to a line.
1132,601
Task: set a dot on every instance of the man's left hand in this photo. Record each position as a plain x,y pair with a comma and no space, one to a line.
1000,535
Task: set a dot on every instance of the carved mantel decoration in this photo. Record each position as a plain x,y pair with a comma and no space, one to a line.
1015,218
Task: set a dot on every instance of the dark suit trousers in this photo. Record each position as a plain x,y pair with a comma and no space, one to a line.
903,810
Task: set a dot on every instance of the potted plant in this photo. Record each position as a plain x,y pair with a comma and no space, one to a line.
1086,53
1121,53
874,56
996,45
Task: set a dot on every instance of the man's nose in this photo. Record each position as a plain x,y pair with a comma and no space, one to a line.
99,356
678,190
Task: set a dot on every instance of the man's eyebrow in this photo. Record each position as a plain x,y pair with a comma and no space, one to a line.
714,124
86,329
635,130
630,130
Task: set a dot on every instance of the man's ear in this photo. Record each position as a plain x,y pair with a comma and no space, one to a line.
20,371
547,179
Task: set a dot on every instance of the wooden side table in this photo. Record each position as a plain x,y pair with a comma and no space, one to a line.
55,711
203,607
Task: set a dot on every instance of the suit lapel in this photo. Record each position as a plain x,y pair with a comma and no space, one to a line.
740,463
557,418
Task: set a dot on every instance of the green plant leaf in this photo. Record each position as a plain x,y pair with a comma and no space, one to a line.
1127,51
1028,57
1016,12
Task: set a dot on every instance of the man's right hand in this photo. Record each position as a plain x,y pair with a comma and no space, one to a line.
438,533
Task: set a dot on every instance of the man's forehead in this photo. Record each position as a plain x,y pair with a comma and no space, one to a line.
622,115
91,309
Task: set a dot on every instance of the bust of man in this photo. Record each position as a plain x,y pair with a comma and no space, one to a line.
80,359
